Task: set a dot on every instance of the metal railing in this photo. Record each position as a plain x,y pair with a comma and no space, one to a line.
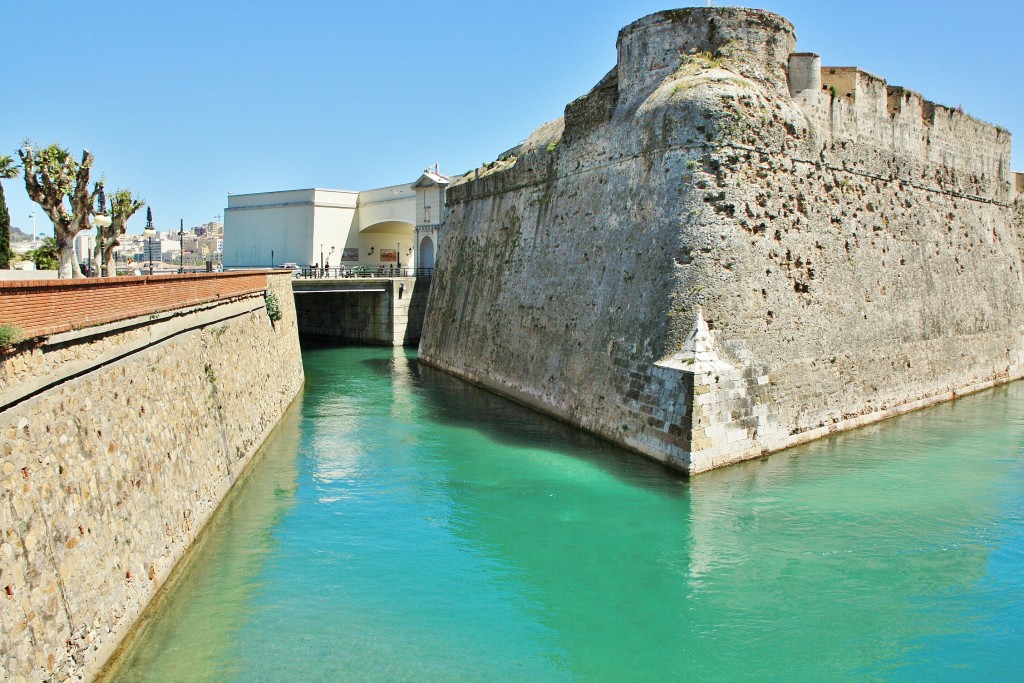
361,271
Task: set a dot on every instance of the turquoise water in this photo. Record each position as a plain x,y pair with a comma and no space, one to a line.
403,526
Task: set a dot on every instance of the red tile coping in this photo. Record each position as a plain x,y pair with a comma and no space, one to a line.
45,307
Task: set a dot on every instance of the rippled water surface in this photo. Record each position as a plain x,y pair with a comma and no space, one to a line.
401,525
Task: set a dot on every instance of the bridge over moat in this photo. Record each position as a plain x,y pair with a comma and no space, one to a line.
371,310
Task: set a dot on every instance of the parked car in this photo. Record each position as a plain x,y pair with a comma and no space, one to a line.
363,271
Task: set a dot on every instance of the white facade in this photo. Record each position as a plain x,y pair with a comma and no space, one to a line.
285,226
431,211
334,227
85,242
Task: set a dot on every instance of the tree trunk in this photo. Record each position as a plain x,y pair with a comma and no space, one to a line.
96,258
67,266
105,254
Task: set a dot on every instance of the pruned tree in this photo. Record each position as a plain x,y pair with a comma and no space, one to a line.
60,185
123,205
8,170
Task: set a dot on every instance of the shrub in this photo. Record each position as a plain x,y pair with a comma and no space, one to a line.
273,307
10,335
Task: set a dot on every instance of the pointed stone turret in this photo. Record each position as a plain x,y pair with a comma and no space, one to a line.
698,354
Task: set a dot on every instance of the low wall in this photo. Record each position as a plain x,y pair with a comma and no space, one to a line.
119,441
43,307
17,274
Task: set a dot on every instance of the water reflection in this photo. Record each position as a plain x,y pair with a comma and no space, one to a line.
441,533
218,576
841,557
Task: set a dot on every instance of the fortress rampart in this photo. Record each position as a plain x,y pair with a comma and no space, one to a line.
725,249
124,425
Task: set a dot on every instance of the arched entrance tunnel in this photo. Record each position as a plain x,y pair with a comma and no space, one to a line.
385,311
427,252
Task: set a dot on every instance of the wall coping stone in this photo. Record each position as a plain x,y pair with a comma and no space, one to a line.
166,325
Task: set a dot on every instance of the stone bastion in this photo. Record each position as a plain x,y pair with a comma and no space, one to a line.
725,249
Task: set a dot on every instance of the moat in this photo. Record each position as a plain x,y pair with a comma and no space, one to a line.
403,525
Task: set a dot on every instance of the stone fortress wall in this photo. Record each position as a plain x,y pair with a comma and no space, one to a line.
725,249
119,441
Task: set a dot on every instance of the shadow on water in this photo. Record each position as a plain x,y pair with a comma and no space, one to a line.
456,403
453,402
879,534
868,531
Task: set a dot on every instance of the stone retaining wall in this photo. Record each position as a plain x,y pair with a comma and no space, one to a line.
111,469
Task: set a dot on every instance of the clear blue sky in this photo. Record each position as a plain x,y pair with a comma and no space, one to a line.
185,101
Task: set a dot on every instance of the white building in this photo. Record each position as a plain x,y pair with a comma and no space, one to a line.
85,242
388,226
154,248
430,213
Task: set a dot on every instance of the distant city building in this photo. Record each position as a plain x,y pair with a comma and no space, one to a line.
85,241
396,225
190,243
151,249
208,246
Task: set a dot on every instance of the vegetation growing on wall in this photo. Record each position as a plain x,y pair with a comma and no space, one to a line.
10,335
273,307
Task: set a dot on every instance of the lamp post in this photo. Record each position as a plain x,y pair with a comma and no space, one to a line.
328,264
181,246
101,219
148,233
398,257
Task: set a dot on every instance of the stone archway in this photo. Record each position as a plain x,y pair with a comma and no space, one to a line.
427,252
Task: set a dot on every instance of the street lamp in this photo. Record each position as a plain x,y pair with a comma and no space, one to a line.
148,232
181,247
398,256
101,219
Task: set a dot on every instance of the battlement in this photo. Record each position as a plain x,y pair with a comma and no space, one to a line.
846,104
